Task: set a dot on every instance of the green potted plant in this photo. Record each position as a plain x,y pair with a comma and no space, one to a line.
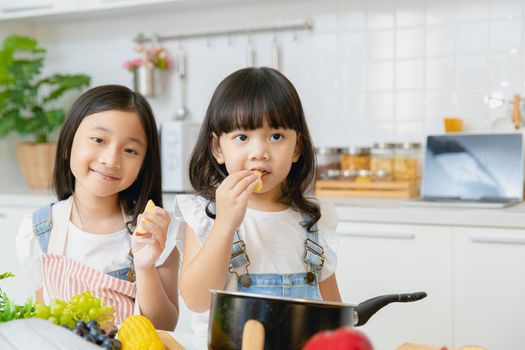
29,104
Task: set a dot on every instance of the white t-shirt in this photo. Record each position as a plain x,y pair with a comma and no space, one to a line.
274,241
103,252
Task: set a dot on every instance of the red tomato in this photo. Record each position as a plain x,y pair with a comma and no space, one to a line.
344,338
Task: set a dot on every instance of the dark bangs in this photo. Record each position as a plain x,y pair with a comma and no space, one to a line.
254,98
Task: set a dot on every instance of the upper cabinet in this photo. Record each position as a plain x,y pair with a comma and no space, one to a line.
21,9
88,5
30,8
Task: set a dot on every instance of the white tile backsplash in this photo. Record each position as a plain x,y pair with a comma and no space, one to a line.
380,75
506,70
410,13
410,74
441,40
505,37
380,45
352,46
473,38
380,14
440,104
440,12
410,43
472,71
472,10
409,106
505,9
371,70
440,73
379,106
471,105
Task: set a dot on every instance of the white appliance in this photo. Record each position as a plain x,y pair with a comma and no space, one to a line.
177,139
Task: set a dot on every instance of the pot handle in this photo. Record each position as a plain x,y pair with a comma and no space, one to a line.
369,307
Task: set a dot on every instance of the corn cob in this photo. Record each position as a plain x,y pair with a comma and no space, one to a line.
138,333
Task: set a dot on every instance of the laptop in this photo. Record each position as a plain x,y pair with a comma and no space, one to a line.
472,170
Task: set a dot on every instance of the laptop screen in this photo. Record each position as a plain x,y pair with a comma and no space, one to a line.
480,167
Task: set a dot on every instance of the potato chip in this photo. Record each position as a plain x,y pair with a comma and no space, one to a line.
150,208
259,185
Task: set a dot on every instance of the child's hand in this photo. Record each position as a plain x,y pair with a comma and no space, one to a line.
232,198
148,247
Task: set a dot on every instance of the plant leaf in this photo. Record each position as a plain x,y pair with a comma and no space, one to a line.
6,275
62,83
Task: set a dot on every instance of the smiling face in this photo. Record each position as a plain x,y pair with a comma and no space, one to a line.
107,152
271,151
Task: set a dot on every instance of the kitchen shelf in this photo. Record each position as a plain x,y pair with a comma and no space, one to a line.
379,189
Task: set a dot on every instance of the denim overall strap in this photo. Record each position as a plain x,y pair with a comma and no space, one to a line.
121,274
239,258
42,225
313,251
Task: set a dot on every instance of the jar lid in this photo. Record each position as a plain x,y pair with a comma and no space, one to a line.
408,146
327,150
357,150
384,145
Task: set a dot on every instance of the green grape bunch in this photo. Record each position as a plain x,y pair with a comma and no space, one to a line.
82,307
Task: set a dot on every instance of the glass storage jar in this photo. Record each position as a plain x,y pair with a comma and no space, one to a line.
328,162
407,161
355,159
382,161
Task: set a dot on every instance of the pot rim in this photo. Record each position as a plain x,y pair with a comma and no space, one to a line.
278,298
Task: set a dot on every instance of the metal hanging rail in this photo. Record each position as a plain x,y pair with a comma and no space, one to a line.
306,25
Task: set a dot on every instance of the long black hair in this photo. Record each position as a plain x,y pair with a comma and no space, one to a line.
100,99
246,99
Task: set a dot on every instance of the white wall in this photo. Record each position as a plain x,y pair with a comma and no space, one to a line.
371,70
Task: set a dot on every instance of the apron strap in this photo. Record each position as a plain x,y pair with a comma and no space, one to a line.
57,241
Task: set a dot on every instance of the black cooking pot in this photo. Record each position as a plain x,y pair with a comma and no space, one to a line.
288,323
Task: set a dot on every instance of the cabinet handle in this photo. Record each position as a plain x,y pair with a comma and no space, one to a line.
27,8
117,0
395,235
495,239
3,216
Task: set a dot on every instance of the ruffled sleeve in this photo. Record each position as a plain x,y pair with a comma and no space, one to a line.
328,238
191,210
171,239
28,252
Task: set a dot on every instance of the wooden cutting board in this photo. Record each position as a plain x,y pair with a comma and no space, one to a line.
169,342
412,346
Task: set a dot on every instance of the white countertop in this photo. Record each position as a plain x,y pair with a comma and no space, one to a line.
393,211
20,197
348,209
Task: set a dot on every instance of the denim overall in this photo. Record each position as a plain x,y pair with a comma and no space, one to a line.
295,285
42,224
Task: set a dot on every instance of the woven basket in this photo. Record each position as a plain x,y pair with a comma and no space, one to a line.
37,162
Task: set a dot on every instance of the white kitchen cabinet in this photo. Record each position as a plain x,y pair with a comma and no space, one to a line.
19,9
10,9
489,287
376,259
10,219
107,4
